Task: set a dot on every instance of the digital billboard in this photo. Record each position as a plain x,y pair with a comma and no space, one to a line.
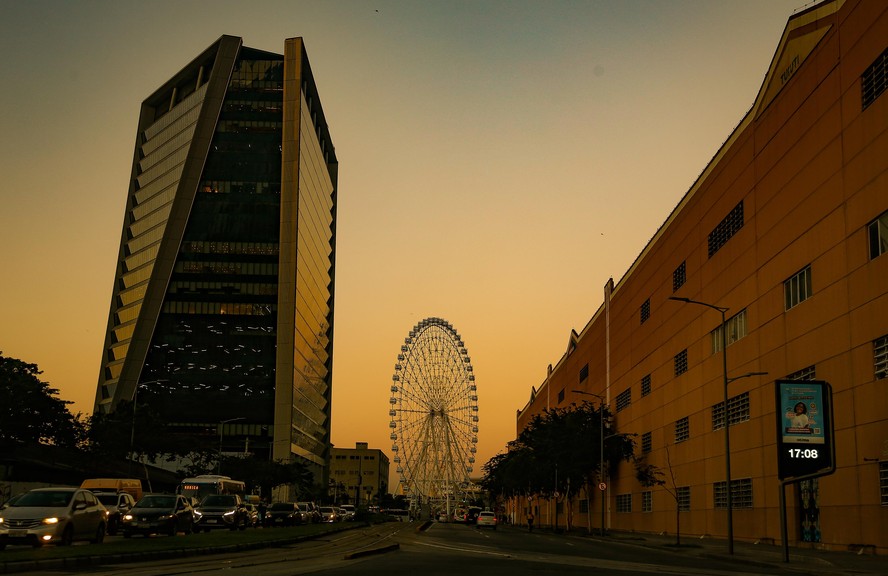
804,429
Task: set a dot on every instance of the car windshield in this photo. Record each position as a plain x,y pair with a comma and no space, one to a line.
218,500
326,510
107,499
157,502
303,506
46,499
282,506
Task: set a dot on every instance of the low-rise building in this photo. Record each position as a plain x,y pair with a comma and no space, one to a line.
358,475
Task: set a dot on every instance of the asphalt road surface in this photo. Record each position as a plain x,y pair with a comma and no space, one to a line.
396,549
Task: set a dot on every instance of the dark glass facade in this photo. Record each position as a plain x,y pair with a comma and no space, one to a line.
204,294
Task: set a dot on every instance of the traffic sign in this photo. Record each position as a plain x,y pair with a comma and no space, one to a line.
602,486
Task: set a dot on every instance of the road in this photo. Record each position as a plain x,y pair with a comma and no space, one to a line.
395,549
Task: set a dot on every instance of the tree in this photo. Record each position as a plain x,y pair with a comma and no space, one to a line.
123,434
568,440
30,413
267,475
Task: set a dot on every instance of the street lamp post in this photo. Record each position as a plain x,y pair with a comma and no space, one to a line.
133,424
724,343
600,452
133,432
221,428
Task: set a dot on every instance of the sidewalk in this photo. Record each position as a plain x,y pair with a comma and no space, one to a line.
802,560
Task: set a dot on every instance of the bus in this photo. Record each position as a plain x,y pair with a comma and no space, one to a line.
203,485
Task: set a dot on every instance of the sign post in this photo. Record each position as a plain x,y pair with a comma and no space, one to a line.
805,430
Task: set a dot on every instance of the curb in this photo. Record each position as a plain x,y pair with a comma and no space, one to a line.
372,552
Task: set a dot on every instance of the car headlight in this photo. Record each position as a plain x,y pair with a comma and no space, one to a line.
127,517
198,513
50,520
229,513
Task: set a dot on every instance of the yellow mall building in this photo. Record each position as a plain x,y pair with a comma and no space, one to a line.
786,230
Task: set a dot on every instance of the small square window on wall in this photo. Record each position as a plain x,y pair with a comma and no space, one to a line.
647,501
645,310
682,430
730,225
681,362
736,326
883,481
874,80
624,399
683,498
679,276
798,288
647,442
584,372
880,356
624,503
878,235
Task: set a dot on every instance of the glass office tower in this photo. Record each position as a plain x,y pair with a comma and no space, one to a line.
221,316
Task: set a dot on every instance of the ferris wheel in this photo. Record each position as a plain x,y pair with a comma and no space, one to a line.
434,412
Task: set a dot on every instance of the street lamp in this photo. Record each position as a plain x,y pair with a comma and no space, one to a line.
221,428
600,452
133,425
730,503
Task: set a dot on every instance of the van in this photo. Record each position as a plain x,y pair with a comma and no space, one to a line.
129,485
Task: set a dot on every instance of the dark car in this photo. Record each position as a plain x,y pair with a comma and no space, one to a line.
472,514
221,511
118,504
283,514
159,514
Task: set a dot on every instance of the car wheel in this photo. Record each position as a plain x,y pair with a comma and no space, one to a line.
67,536
100,535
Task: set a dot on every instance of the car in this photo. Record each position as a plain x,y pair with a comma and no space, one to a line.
348,512
472,514
159,514
53,516
118,504
487,519
221,511
11,501
283,514
310,512
329,514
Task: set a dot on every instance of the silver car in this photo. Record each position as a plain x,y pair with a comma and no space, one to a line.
53,516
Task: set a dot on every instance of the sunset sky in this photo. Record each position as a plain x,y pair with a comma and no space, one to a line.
499,161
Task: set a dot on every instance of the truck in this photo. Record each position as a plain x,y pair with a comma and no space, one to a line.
131,486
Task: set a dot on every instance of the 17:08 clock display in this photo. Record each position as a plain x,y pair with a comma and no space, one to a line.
802,453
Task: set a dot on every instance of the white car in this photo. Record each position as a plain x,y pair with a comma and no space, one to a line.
348,512
53,516
486,518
